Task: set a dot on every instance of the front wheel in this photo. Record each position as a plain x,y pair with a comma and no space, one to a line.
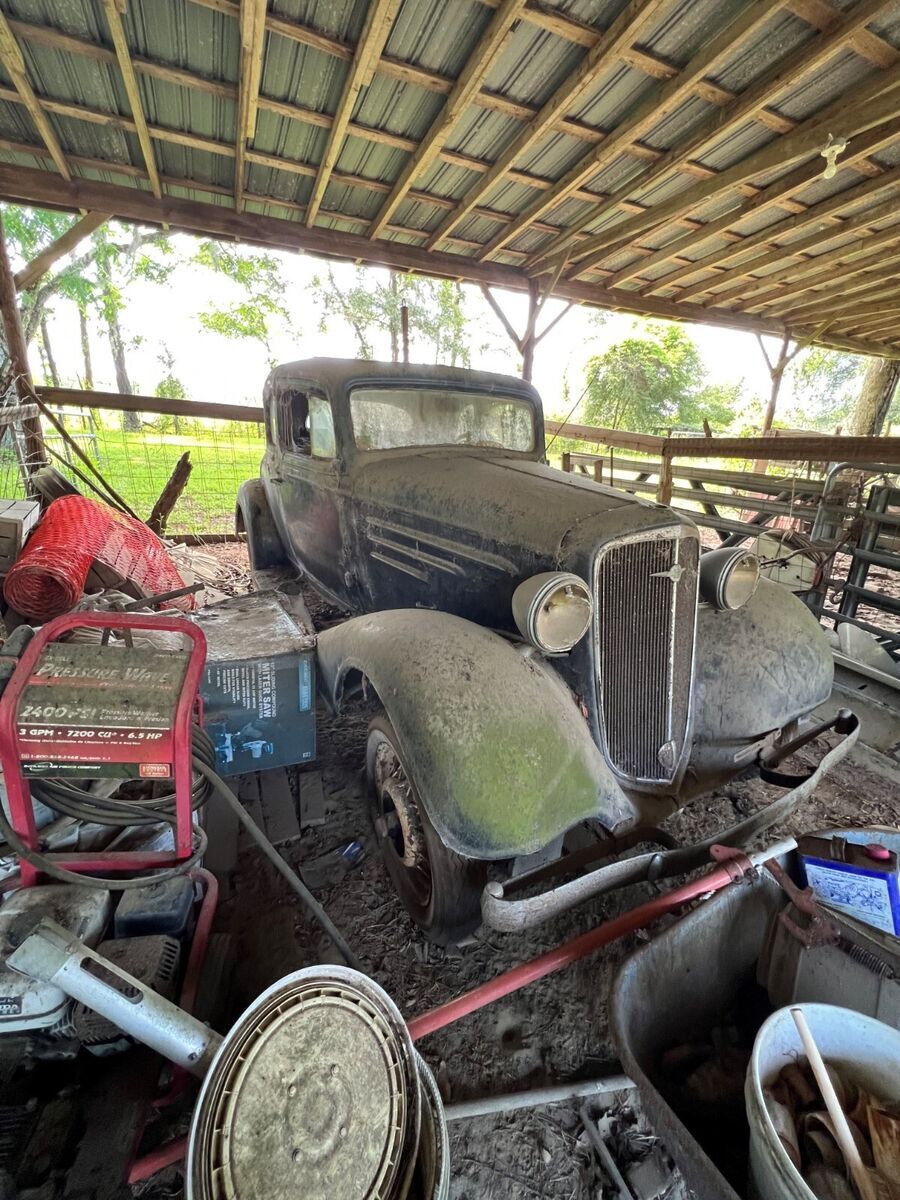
440,890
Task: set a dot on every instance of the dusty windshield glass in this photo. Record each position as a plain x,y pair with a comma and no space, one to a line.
393,418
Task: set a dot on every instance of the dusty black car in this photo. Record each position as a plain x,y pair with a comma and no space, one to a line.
547,651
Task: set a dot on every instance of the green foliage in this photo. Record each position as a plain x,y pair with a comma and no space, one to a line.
370,306
655,378
259,277
825,386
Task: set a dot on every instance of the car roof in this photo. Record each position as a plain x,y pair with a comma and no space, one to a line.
336,374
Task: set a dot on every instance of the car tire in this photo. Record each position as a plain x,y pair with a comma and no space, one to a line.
441,890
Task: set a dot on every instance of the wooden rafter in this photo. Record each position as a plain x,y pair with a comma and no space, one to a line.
379,20
132,90
479,62
41,263
14,63
793,181
827,273
131,204
764,91
608,49
663,99
252,30
745,279
825,213
874,101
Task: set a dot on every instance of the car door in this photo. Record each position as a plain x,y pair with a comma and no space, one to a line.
307,484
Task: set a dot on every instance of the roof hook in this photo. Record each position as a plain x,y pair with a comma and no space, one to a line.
830,151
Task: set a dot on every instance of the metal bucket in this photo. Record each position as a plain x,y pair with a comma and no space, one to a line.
864,1050
317,1092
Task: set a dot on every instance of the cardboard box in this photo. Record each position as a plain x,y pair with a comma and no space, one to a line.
17,519
259,686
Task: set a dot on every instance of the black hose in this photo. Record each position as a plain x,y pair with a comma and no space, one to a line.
315,909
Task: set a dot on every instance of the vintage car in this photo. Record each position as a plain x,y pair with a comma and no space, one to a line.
547,651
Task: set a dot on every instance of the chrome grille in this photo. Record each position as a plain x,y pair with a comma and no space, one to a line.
646,611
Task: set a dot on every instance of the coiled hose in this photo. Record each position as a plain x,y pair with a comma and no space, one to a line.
73,801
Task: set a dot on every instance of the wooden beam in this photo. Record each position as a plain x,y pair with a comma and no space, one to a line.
17,350
253,37
41,263
14,64
379,21
870,254
19,184
823,214
608,48
787,448
835,305
788,184
875,101
663,99
116,402
767,88
132,90
479,62
501,316
747,283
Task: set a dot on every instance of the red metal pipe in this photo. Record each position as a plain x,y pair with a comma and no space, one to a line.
571,951
200,940
157,1160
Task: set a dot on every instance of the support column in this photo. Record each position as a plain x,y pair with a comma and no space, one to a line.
529,341
18,357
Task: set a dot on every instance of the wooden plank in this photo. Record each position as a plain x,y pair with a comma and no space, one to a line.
782,74
805,448
867,109
664,99
478,63
247,788
11,57
252,34
379,20
312,799
608,47
41,187
115,401
41,263
123,56
278,808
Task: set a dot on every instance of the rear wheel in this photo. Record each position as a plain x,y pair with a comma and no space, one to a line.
440,890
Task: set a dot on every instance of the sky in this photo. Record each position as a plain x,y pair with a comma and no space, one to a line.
213,368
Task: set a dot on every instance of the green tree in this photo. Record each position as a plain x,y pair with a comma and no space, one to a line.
825,384
651,379
372,305
262,307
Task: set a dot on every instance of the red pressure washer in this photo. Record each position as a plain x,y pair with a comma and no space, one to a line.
74,710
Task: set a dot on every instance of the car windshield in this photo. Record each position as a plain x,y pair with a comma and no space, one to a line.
394,418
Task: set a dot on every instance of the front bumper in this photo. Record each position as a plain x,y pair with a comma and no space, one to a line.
505,909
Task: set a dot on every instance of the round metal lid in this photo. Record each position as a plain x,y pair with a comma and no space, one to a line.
314,1093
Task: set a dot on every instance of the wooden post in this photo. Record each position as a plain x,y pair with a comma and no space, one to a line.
528,340
404,331
18,357
664,489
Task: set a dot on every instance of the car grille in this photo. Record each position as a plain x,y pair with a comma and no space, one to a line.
646,612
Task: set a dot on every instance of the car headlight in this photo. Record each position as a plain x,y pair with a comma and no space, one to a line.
553,610
728,578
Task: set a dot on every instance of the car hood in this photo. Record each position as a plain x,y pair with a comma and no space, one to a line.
512,502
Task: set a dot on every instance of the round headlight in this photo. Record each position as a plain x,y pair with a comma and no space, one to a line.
553,610
728,578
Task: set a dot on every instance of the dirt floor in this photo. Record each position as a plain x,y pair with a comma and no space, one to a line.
554,1030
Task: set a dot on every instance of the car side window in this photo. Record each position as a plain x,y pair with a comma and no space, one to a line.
321,428
293,421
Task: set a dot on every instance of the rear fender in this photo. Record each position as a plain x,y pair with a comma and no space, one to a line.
496,745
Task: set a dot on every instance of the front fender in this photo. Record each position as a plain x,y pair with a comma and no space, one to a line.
499,752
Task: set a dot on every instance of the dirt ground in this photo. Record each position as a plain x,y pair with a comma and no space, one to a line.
554,1030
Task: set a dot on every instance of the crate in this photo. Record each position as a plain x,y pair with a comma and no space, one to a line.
17,519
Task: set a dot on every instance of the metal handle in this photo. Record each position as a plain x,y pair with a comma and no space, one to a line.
54,955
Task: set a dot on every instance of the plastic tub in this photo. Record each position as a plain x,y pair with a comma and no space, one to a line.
865,1050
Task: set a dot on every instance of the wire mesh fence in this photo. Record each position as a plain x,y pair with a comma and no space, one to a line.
136,452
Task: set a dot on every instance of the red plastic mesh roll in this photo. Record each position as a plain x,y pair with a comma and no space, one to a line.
49,577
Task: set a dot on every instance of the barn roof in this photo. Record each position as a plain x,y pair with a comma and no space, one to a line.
656,156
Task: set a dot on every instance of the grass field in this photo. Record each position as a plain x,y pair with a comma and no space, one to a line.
137,465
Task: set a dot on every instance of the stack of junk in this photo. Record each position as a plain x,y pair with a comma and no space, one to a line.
758,1031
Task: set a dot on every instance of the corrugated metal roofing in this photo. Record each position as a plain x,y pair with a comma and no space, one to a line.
187,56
